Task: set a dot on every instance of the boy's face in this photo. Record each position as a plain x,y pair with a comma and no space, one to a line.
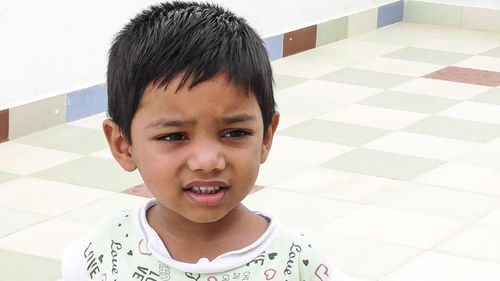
198,150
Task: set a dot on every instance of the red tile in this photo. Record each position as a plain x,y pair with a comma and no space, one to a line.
299,40
139,190
467,75
4,125
256,188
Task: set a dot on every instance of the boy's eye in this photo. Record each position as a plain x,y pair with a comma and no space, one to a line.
236,134
173,137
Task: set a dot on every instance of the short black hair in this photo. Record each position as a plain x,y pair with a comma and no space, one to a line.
200,40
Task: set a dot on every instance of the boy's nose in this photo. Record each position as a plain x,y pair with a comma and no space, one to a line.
206,157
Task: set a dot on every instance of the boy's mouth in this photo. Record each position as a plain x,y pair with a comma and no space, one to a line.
205,189
205,193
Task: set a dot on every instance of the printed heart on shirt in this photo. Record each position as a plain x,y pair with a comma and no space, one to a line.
272,255
100,258
270,273
143,250
322,272
130,253
305,262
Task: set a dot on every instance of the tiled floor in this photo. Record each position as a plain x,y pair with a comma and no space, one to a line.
388,153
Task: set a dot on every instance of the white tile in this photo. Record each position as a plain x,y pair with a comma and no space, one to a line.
340,185
422,145
363,258
305,106
105,153
457,46
97,210
441,267
364,47
474,111
464,177
476,241
289,120
274,171
422,29
330,91
398,67
412,229
492,219
297,68
25,159
46,197
487,156
439,201
371,116
440,88
91,122
495,141
481,62
309,152
47,239
298,210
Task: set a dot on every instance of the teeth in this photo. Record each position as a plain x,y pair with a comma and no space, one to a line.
205,189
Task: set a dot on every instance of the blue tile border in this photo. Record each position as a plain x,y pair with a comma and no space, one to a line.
274,47
86,102
390,13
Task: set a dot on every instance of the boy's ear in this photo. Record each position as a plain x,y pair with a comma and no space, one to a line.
268,137
120,147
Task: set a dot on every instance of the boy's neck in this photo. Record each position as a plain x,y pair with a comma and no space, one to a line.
188,241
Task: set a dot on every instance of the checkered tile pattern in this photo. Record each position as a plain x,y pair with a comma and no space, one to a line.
388,153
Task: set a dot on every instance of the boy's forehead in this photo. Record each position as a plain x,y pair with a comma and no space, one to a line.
218,87
177,85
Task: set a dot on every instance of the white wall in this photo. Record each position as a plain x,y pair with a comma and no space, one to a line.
490,4
52,47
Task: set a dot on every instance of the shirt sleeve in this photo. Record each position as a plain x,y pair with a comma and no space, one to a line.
73,262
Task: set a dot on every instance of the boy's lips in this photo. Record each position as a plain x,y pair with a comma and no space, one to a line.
206,193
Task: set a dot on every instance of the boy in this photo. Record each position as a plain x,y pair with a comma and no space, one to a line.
191,103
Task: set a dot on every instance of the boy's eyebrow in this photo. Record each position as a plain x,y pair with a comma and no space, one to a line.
238,118
163,122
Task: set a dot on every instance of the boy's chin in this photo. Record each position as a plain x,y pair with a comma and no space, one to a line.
206,218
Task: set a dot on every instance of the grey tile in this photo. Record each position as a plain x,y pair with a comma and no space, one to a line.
427,56
5,177
93,172
285,81
382,164
409,102
68,138
33,117
333,132
14,220
366,78
22,267
492,53
456,129
491,96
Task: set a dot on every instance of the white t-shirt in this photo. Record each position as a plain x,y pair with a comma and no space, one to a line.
125,247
